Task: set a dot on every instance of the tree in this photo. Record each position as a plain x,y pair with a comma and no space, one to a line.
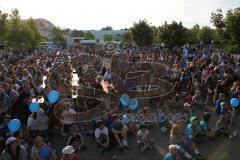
108,37
117,38
127,36
227,29
75,33
232,22
142,33
217,19
58,38
206,35
107,28
173,35
19,36
3,26
192,34
38,35
89,36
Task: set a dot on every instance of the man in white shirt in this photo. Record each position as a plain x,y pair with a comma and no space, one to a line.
38,124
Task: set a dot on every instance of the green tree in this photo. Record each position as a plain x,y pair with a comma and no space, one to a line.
117,38
38,35
206,35
173,35
3,26
108,28
58,37
227,29
142,33
127,36
108,37
232,22
75,33
89,36
217,19
192,34
19,36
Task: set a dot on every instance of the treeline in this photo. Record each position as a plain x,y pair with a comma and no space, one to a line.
20,34
226,33
17,34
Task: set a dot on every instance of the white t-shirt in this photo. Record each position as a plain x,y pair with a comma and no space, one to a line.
142,135
67,116
98,132
40,123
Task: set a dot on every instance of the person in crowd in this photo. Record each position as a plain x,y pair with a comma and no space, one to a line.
219,101
67,118
176,153
193,134
119,132
98,83
102,137
128,121
177,135
197,99
38,124
4,101
204,125
12,94
38,145
13,150
235,90
20,108
223,127
143,139
211,83
75,138
4,131
68,153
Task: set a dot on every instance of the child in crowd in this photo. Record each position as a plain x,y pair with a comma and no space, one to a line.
129,122
102,137
193,133
75,139
204,125
143,138
219,101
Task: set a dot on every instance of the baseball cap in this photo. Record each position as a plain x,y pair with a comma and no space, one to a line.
10,140
193,118
68,150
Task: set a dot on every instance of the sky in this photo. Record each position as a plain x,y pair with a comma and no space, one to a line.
119,14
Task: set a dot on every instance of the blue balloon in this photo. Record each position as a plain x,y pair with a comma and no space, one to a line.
53,96
34,107
124,99
133,104
234,102
14,125
45,153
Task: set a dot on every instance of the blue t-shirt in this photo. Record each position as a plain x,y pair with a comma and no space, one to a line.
183,63
169,156
203,125
190,130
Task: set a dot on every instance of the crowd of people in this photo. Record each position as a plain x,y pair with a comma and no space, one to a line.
200,80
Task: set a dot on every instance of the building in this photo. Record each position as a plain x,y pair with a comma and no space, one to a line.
99,34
